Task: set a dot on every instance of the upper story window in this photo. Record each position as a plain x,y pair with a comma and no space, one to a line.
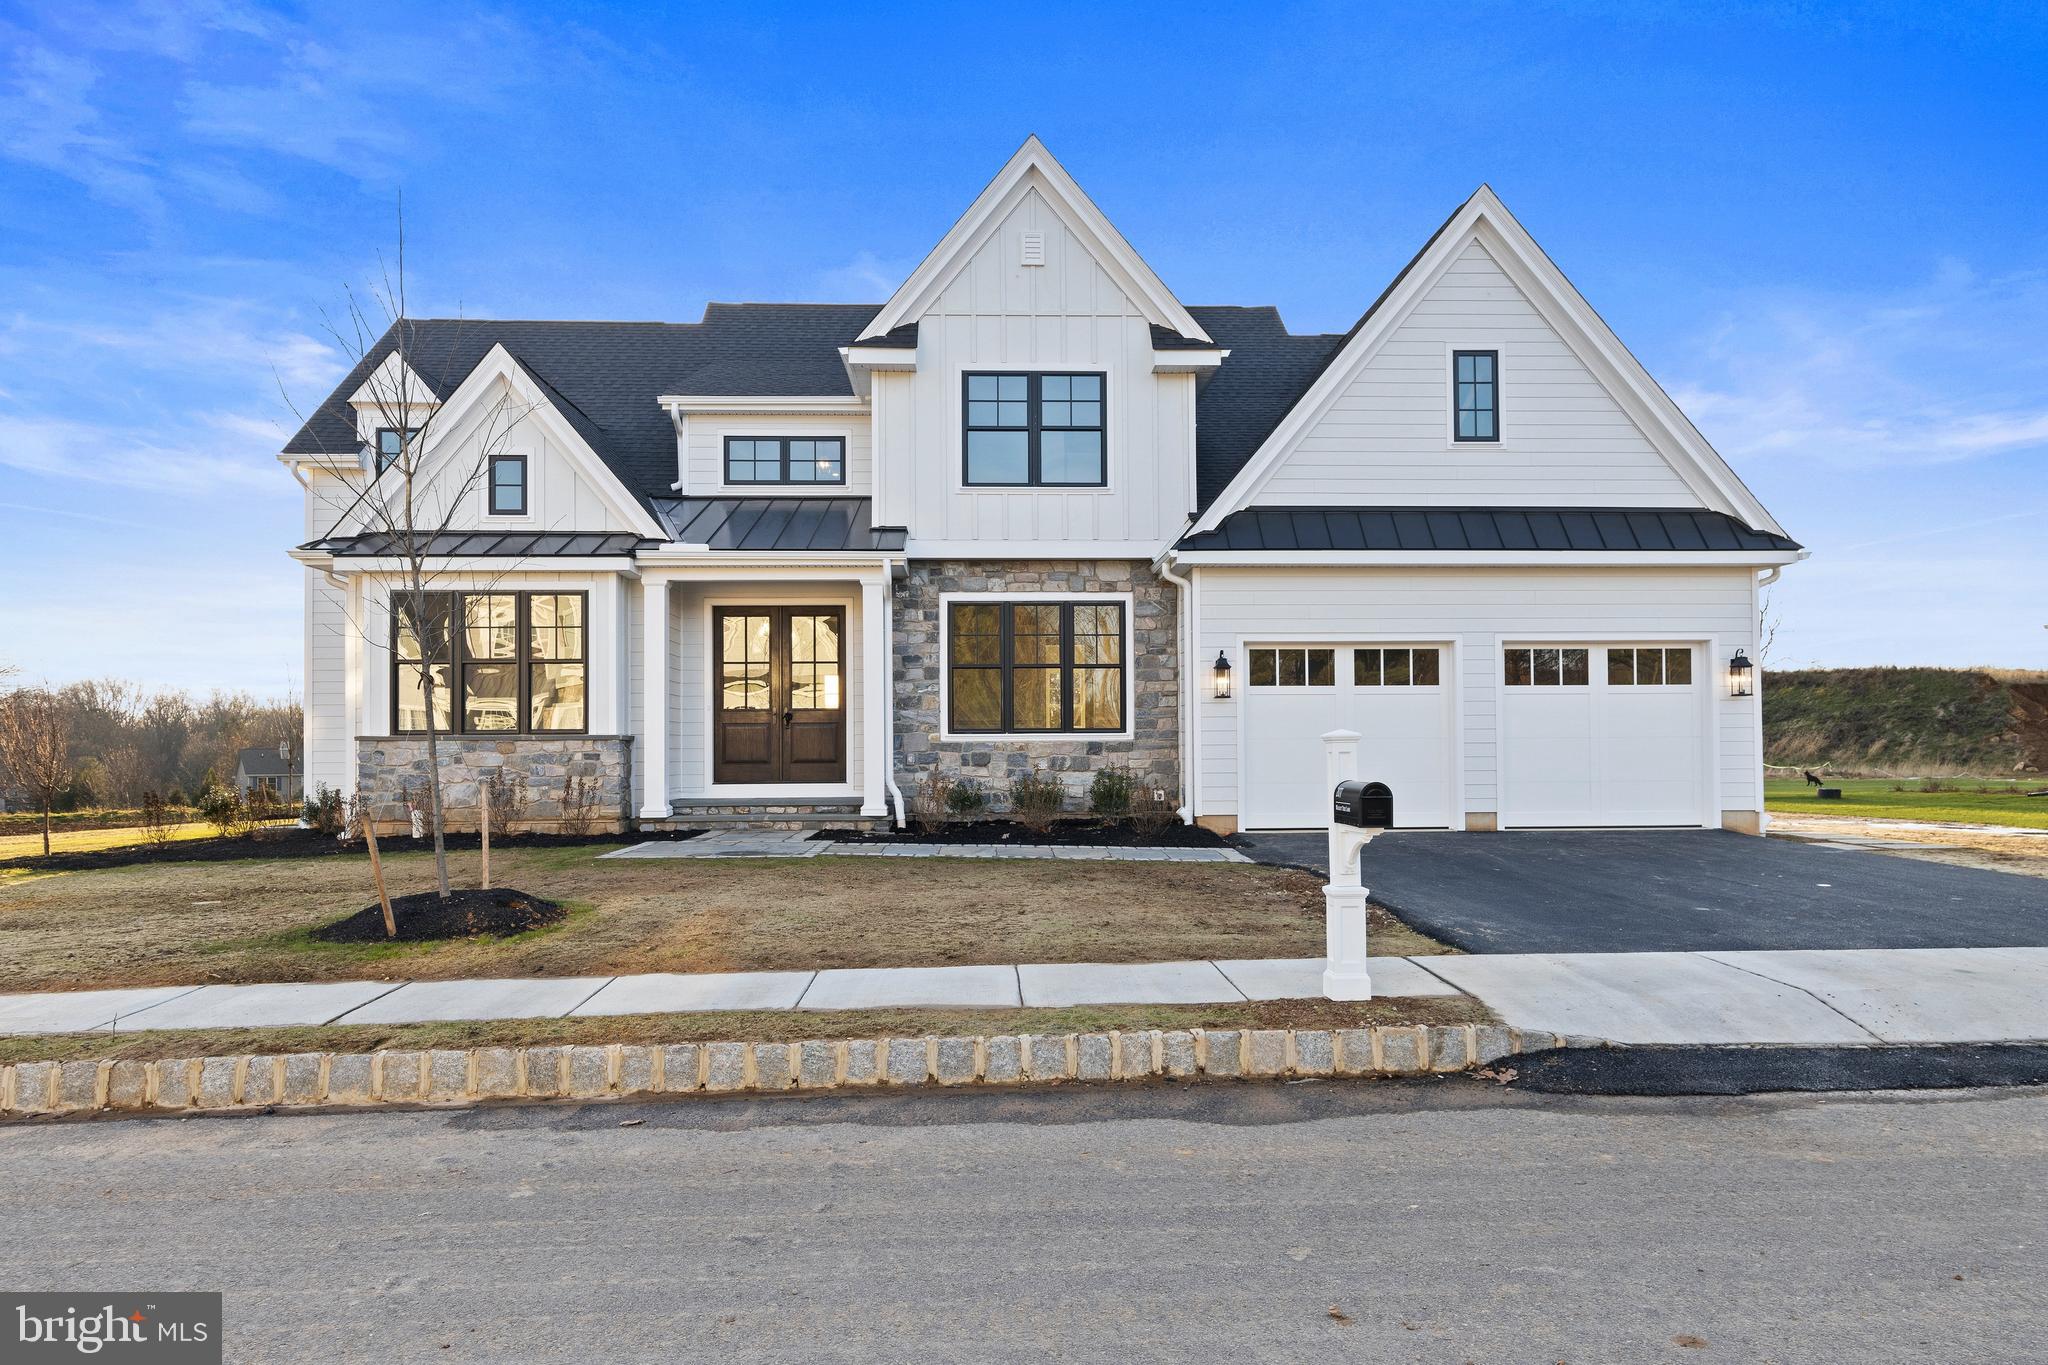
1034,430
785,459
391,444
502,662
1476,391
508,485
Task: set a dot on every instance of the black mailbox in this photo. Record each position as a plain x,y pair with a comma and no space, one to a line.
1368,805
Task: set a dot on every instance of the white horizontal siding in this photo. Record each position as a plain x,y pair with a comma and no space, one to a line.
327,722
1474,608
1386,437
706,433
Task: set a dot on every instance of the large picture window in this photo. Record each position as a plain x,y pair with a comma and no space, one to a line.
502,663
1035,667
785,459
1034,430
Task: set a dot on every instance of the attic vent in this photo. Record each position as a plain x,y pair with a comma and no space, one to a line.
1034,248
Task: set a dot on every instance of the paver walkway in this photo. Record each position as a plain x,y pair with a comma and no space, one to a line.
797,843
1915,995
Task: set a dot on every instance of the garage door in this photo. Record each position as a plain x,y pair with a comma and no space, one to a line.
1395,695
1602,734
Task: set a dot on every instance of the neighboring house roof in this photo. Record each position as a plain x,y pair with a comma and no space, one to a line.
779,524
490,544
259,761
1483,528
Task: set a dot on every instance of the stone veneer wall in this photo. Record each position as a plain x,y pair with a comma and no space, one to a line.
1152,678
387,764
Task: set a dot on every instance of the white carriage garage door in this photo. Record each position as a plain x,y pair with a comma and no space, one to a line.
1602,734
1398,697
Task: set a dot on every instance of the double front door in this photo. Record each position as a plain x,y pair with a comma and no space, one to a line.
779,688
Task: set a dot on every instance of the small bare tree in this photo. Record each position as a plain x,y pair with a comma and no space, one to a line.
1767,623
411,493
35,747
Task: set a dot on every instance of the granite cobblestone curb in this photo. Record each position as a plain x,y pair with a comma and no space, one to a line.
474,1075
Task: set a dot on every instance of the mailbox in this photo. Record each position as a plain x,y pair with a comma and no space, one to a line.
1368,805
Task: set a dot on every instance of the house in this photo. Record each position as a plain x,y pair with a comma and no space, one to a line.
270,770
1034,513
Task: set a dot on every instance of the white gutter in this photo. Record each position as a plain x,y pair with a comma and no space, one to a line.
889,708
1187,685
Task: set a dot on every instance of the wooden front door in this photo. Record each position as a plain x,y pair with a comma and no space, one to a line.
779,687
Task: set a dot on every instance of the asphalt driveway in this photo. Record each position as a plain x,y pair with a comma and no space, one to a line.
1640,891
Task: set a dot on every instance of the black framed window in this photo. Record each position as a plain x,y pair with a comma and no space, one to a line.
508,485
1035,667
502,663
391,444
785,459
1034,430
1475,390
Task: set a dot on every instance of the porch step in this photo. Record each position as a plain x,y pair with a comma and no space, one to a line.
771,814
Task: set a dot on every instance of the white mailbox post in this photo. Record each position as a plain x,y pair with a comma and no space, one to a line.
1344,975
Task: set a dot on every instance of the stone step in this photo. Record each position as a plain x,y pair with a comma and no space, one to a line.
781,815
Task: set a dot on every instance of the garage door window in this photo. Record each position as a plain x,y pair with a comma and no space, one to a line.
1394,668
1545,667
1293,667
1649,667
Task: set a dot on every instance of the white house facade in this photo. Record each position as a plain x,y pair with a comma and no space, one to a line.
1032,514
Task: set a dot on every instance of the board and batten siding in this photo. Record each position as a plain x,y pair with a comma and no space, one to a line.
1476,608
1386,438
706,433
1067,315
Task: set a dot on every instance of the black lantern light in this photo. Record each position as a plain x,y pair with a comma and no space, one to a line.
1741,676
1220,676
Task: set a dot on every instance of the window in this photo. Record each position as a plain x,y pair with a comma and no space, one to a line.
508,485
1293,667
521,659
1475,390
1034,430
1545,667
785,459
391,444
1394,668
1649,667
1022,667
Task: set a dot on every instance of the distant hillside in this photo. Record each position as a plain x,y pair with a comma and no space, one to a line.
1908,721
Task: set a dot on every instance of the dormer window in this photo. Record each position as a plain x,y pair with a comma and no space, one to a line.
508,485
1034,431
785,459
391,444
1475,389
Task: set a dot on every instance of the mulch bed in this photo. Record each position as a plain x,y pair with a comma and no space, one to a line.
305,843
426,917
1062,834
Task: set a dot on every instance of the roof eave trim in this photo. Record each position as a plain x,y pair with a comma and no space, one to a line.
1497,558
1189,361
687,403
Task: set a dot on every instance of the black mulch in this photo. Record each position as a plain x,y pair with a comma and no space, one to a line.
304,843
460,914
1062,834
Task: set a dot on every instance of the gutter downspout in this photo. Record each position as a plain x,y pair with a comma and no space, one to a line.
1187,685
889,710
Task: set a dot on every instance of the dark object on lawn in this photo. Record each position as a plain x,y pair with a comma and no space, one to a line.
1829,793
2042,792
461,914
1056,834
1811,780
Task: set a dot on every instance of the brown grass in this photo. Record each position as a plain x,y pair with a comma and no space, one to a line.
754,1026
248,921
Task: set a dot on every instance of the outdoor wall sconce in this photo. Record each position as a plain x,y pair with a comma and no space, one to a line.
1220,677
1741,676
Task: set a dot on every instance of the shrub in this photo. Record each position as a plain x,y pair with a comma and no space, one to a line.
508,800
158,819
326,812
579,804
1036,799
1110,793
966,798
931,800
1152,814
225,811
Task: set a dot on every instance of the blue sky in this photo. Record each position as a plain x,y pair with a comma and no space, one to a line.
1825,231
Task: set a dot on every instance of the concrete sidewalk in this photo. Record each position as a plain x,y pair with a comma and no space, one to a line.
1921,995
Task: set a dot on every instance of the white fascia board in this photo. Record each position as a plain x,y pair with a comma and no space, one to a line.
1187,362
394,383
861,362
819,403
1484,217
1033,167
1320,559
681,562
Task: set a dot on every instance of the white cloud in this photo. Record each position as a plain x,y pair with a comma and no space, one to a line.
48,119
1945,372
240,456
867,278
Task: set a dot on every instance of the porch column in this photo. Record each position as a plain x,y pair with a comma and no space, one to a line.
652,760
876,693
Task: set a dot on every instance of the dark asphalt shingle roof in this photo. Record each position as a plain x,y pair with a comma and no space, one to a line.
1483,528
1267,372
778,524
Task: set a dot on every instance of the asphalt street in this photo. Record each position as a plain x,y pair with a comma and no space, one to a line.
1431,1220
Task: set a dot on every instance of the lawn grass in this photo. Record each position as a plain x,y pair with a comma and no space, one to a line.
767,1026
2004,803
250,920
91,840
